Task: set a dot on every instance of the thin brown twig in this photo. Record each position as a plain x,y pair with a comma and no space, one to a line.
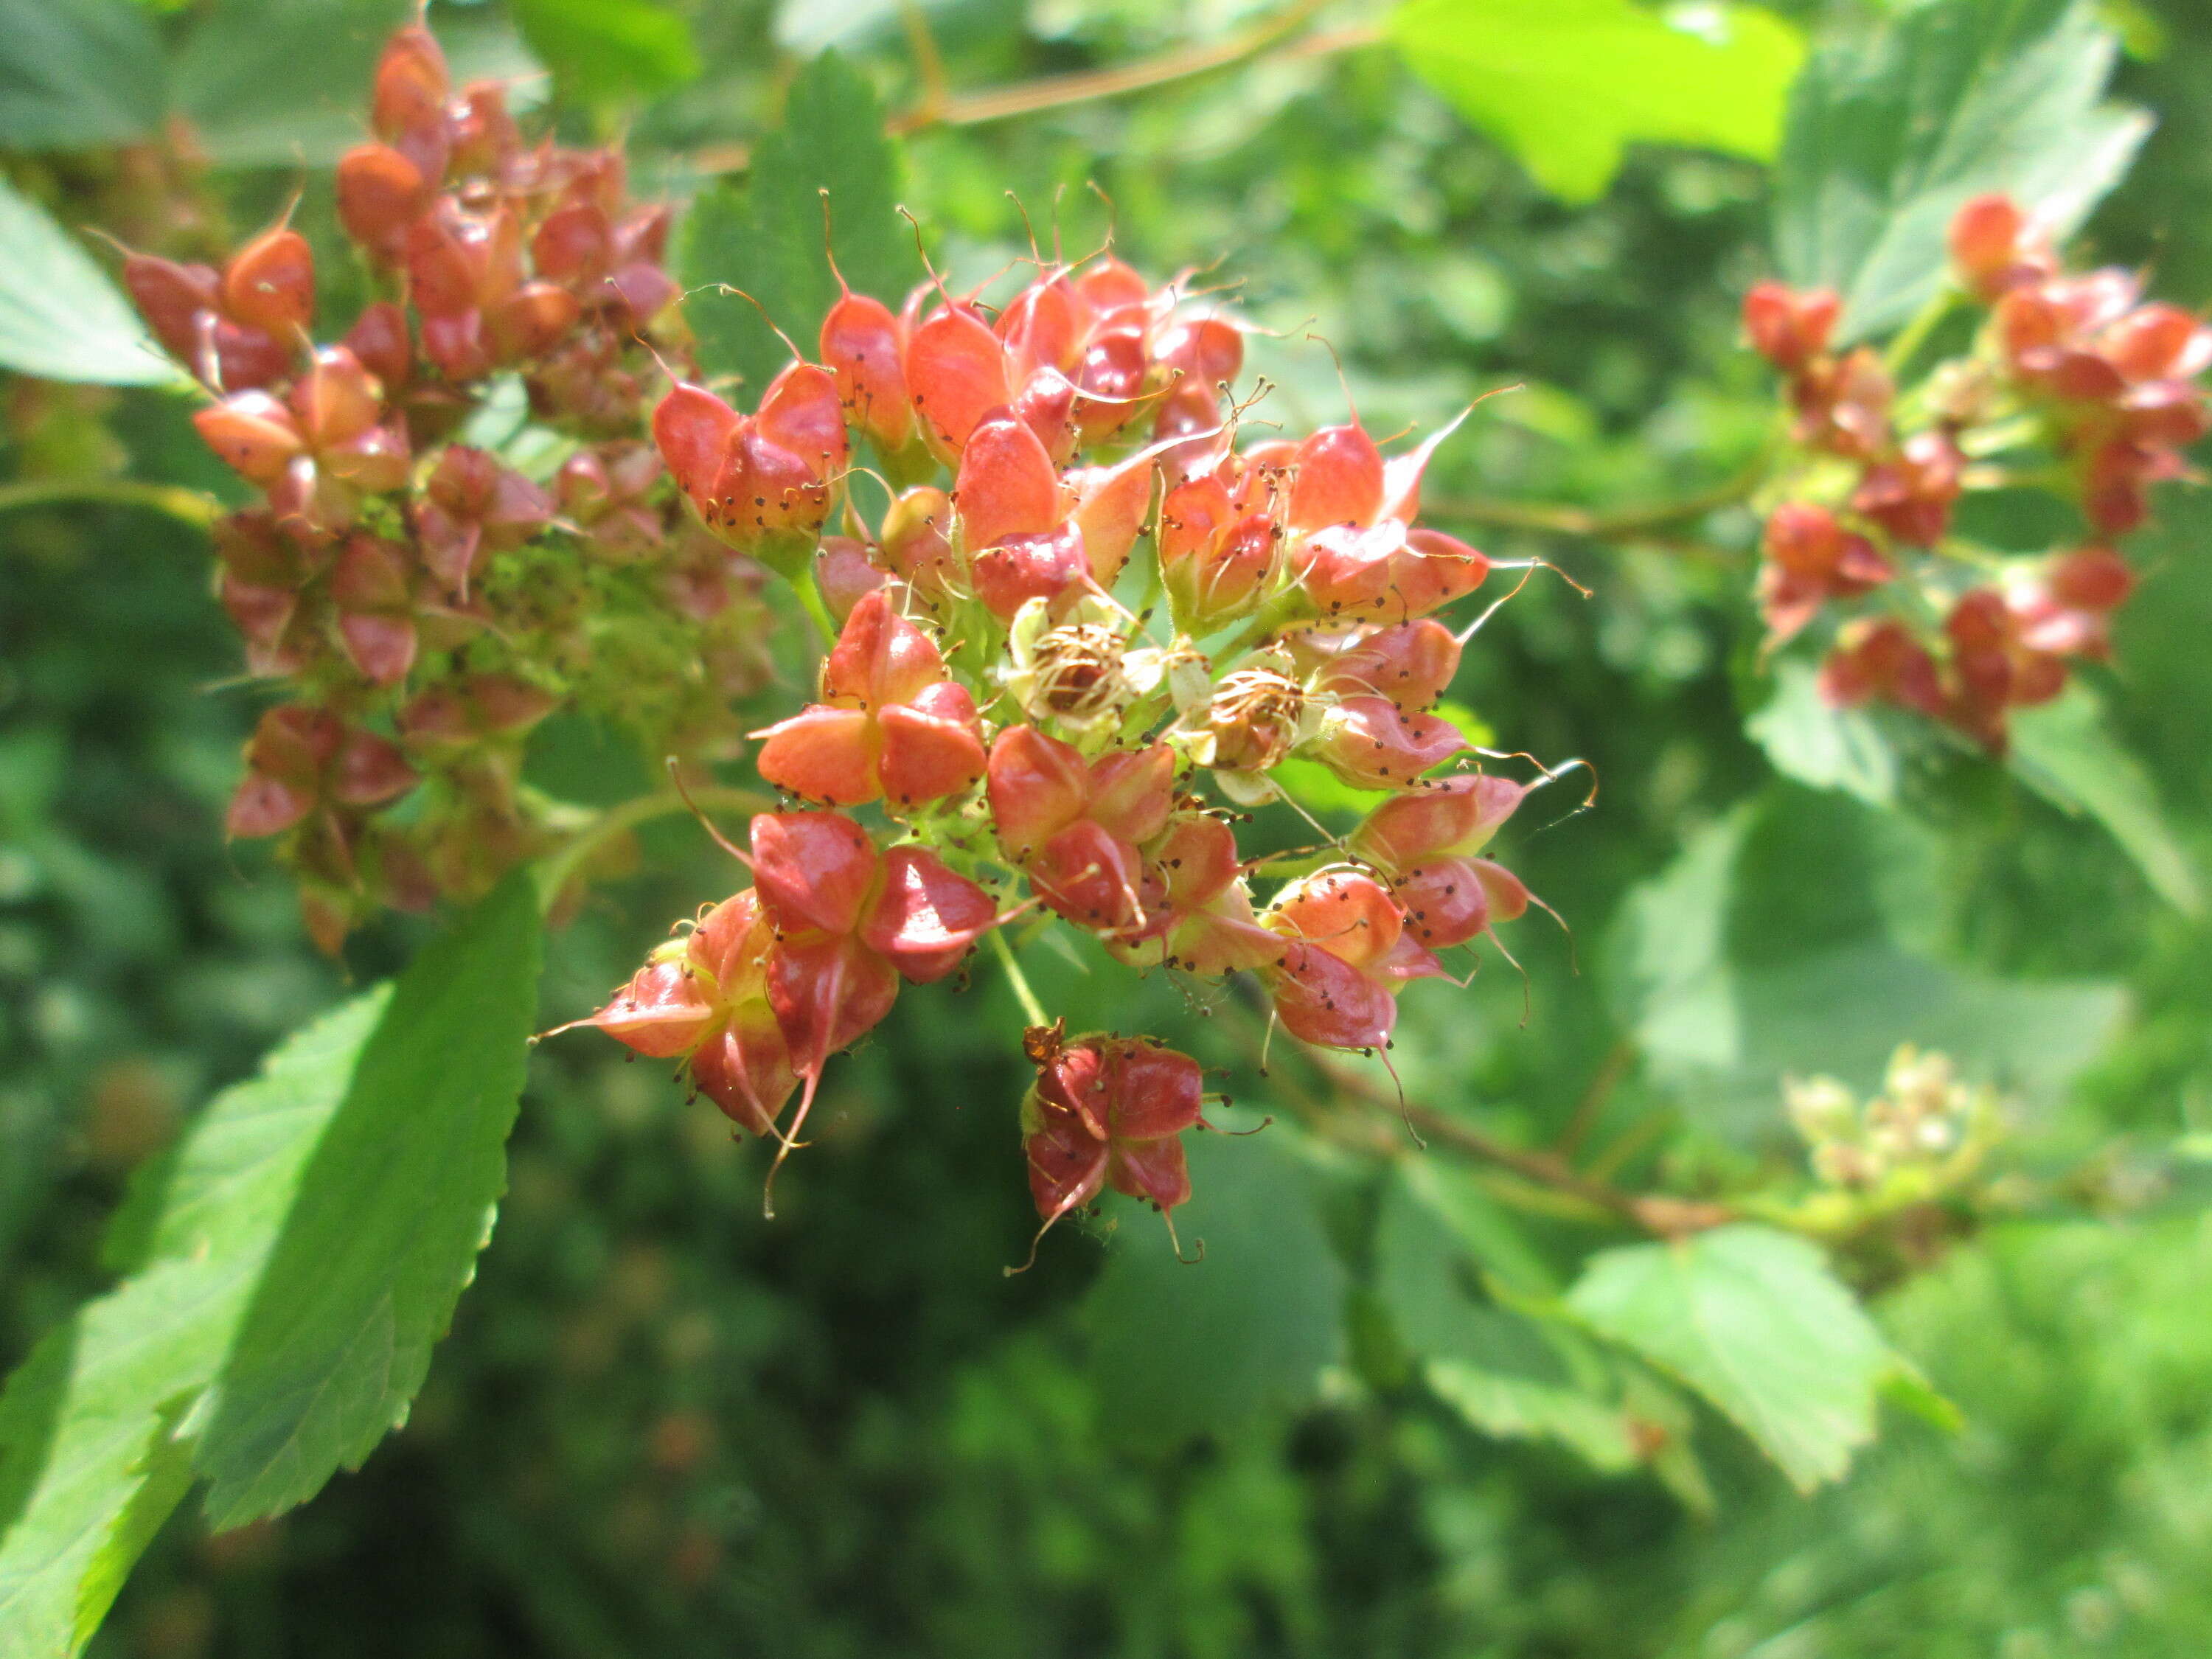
1657,1213
1610,1070
1646,519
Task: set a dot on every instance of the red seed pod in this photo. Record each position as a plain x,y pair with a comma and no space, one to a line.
172,298
1346,956
371,588
269,283
485,140
454,342
574,245
956,375
254,433
1994,248
1368,744
1454,818
1410,664
1878,659
1109,1111
1910,493
1051,565
2155,343
2091,578
1210,348
1108,505
1216,564
381,193
1006,486
1207,922
1787,328
337,399
916,542
892,726
378,340
845,574
1453,901
861,347
411,84
530,321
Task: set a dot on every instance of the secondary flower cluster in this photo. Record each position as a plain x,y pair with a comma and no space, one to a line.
2073,383
1081,629
423,602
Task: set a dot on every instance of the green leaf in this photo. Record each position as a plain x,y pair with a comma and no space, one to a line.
384,1235
2066,752
76,72
606,51
1507,1373
766,238
61,319
1810,740
1184,1348
1568,84
89,1462
1786,937
102,1429
1888,135
277,82
1753,1319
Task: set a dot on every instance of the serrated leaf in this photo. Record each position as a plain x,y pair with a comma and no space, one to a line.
1503,1371
1754,1320
76,72
1568,84
61,319
766,237
384,1234
1773,944
1811,740
2067,753
102,1429
277,82
1888,135
1182,1349
600,52
87,1468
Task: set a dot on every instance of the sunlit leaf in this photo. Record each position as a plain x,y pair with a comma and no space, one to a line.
1569,84
384,1234
1180,1348
604,50
61,319
1888,135
766,236
1753,1319
2066,752
295,1256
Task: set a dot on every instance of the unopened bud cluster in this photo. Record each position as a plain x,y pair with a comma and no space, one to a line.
422,603
1926,1129
2073,383
996,735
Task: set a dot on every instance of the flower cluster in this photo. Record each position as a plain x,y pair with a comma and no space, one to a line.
1078,632
422,602
1925,1130
2072,382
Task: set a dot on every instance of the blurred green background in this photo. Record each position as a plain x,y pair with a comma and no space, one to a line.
663,1426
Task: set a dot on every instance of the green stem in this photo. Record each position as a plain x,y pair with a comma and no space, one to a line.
1032,1009
810,596
556,868
1907,345
180,501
